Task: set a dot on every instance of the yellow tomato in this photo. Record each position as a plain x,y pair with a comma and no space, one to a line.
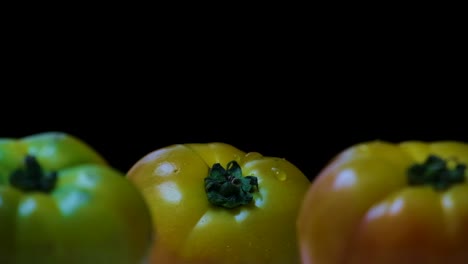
244,212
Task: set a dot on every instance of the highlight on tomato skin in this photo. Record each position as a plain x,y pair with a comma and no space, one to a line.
61,202
384,202
214,203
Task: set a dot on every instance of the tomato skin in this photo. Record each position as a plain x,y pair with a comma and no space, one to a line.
191,230
93,213
361,209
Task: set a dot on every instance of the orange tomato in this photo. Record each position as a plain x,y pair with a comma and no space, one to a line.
387,203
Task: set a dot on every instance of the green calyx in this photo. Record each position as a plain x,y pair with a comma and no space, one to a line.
227,187
31,177
436,172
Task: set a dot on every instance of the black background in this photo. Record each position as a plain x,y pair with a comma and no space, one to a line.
307,127
278,90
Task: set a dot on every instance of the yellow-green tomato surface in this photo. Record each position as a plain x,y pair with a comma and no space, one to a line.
192,230
92,215
363,209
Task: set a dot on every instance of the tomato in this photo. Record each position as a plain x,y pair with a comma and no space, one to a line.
383,202
60,202
213,203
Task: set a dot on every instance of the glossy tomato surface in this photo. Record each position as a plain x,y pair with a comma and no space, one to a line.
386,203
191,229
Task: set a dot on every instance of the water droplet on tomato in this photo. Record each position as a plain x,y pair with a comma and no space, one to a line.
228,248
279,174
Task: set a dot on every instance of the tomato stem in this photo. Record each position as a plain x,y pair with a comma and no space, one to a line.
32,178
436,172
227,187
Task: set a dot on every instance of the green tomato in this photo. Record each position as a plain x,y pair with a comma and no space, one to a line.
60,202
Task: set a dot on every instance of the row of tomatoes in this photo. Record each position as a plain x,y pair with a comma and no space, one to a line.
375,202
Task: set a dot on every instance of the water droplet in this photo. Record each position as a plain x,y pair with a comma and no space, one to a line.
228,248
165,169
279,174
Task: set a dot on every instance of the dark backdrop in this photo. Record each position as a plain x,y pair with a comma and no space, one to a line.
291,96
307,127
